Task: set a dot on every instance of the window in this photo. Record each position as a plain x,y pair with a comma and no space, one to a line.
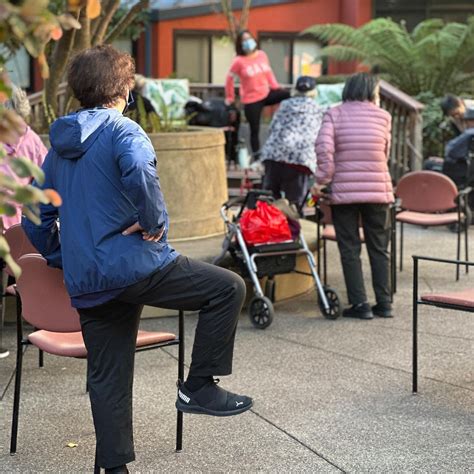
291,56
203,56
192,58
279,52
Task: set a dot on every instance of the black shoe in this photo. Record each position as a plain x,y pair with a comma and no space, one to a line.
211,400
383,310
4,352
361,311
117,470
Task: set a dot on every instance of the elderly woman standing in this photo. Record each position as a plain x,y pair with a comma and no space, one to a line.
352,151
288,153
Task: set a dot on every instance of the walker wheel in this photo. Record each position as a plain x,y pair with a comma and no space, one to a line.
334,310
261,312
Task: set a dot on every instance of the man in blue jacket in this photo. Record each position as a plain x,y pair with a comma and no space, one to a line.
113,249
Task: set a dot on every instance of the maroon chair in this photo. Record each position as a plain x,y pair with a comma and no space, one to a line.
19,245
47,307
454,300
431,199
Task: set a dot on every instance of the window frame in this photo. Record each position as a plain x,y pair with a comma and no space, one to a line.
292,37
207,34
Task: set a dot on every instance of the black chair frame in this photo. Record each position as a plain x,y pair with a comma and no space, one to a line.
418,301
23,342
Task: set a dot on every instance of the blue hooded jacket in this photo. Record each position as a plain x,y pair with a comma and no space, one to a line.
103,166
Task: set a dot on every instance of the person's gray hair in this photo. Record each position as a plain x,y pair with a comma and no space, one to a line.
311,93
19,103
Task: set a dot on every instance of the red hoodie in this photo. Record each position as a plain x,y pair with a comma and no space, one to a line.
256,78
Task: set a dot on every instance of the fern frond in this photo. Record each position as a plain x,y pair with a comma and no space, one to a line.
426,28
342,53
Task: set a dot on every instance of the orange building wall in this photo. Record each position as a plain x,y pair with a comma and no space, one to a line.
290,17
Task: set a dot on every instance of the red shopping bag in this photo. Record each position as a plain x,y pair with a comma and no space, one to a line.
265,224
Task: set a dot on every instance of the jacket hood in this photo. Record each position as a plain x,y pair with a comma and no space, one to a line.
72,135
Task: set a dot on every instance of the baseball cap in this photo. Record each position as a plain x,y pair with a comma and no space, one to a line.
305,83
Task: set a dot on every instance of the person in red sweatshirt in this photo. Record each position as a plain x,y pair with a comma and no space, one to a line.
258,85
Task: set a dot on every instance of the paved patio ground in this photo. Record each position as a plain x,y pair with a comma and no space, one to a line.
330,396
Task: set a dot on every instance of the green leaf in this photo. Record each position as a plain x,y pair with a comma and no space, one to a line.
32,213
25,168
6,209
5,254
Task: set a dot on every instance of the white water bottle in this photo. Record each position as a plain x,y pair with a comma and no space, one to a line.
243,156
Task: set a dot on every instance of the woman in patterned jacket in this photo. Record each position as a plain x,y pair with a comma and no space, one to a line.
289,154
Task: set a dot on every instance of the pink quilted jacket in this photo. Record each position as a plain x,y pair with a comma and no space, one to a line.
352,152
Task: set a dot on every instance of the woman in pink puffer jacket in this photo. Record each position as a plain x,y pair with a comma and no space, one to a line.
352,151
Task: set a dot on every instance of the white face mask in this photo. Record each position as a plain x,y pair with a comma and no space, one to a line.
249,45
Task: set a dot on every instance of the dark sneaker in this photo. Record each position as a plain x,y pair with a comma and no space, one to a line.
361,311
383,310
4,352
211,400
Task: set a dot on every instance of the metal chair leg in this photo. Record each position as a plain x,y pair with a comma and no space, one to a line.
466,240
325,262
401,246
179,421
458,252
18,372
415,327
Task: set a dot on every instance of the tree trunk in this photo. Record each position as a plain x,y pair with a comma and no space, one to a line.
58,61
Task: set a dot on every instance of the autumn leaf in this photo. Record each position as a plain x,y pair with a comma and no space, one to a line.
54,197
67,21
93,9
56,33
74,5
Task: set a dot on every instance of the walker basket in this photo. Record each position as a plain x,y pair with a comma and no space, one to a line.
274,264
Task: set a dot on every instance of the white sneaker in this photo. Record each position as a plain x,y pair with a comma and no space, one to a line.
4,352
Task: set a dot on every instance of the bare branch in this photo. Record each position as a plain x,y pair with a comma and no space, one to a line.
100,27
58,61
126,21
244,17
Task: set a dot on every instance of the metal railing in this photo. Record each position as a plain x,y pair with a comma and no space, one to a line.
407,124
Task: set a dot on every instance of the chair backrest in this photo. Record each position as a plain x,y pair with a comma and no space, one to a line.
19,244
326,213
427,191
45,301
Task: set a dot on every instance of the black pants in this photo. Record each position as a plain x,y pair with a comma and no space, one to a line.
110,332
376,224
282,178
253,113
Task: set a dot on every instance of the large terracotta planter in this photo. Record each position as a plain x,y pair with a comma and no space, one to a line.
191,168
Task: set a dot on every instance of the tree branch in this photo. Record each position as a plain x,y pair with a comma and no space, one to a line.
100,26
244,17
126,21
58,61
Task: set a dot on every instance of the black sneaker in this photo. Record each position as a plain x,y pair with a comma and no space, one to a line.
4,352
383,310
361,311
211,400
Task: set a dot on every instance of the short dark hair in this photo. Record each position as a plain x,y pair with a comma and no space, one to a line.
100,75
360,87
449,103
238,42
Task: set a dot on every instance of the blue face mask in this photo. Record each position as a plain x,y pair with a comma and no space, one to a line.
130,101
249,45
